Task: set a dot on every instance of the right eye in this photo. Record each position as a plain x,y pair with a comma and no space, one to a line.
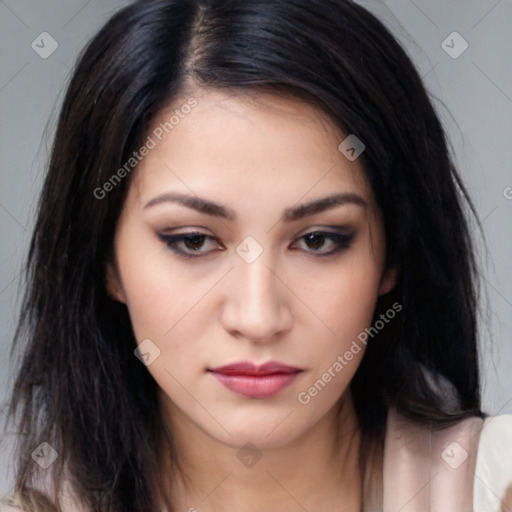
191,245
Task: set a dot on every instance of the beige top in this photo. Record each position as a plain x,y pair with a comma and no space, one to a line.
465,468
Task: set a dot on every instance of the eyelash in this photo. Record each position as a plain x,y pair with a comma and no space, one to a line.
341,241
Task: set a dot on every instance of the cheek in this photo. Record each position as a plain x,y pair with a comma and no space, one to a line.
157,295
346,298
147,300
338,352
166,305
171,315
346,303
351,309
175,314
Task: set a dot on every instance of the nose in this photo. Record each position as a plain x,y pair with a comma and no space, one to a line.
256,302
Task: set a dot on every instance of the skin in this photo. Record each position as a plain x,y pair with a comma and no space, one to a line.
257,156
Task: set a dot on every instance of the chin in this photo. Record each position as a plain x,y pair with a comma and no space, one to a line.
265,431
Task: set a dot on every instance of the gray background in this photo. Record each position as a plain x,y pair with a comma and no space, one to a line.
473,95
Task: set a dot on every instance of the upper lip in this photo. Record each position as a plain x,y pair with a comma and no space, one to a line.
249,368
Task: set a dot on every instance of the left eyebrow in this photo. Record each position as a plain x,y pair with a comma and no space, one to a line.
289,215
321,205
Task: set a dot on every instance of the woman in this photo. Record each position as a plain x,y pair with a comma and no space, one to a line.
251,281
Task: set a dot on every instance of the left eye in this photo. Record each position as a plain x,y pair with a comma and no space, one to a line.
323,242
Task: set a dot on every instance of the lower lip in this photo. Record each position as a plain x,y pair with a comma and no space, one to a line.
251,386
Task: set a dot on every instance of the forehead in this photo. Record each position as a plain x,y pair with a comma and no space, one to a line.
277,147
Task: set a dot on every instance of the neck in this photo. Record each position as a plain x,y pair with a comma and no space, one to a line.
318,471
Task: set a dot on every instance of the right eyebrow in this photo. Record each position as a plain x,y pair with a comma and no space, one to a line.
194,202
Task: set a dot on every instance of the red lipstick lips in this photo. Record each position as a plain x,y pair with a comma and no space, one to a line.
253,381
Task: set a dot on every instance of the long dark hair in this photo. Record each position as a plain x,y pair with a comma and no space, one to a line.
79,387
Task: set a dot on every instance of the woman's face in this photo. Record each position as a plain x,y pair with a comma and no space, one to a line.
248,239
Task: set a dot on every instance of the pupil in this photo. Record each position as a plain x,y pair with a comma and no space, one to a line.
194,242
315,240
